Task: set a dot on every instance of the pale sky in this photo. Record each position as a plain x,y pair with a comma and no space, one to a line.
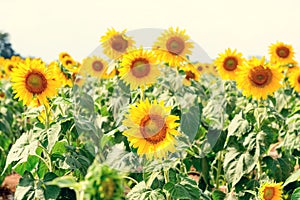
45,28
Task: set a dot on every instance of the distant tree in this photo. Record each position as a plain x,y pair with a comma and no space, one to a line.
6,49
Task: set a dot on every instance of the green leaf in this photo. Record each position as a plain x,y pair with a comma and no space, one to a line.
218,195
59,147
53,135
293,177
51,191
296,194
216,138
24,146
190,122
25,189
141,191
66,182
186,188
238,125
237,164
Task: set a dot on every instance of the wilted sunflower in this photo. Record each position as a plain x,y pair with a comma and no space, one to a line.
139,68
103,183
94,66
172,46
33,83
151,129
294,79
191,72
271,191
116,43
258,79
227,64
281,53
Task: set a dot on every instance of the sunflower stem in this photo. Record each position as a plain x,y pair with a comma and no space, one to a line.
142,93
167,179
48,157
220,157
132,179
47,117
44,161
259,168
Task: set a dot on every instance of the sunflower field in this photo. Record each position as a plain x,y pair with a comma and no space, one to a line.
148,115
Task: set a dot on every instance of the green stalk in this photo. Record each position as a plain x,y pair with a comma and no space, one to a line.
219,159
48,157
166,176
47,111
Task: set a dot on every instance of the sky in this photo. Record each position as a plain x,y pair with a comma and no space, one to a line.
41,28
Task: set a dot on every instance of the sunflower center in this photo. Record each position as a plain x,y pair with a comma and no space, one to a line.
65,55
119,44
260,76
189,75
269,193
283,52
230,63
35,82
153,128
69,62
175,45
140,67
200,68
298,79
108,188
10,67
97,66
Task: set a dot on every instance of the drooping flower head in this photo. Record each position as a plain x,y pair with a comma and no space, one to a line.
103,183
115,43
258,79
151,129
173,46
191,73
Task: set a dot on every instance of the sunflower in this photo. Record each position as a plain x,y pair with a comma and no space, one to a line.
290,68
172,46
9,65
139,68
281,53
151,129
294,79
2,64
59,75
227,64
191,72
94,66
271,191
103,183
64,55
69,63
116,43
258,79
34,83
